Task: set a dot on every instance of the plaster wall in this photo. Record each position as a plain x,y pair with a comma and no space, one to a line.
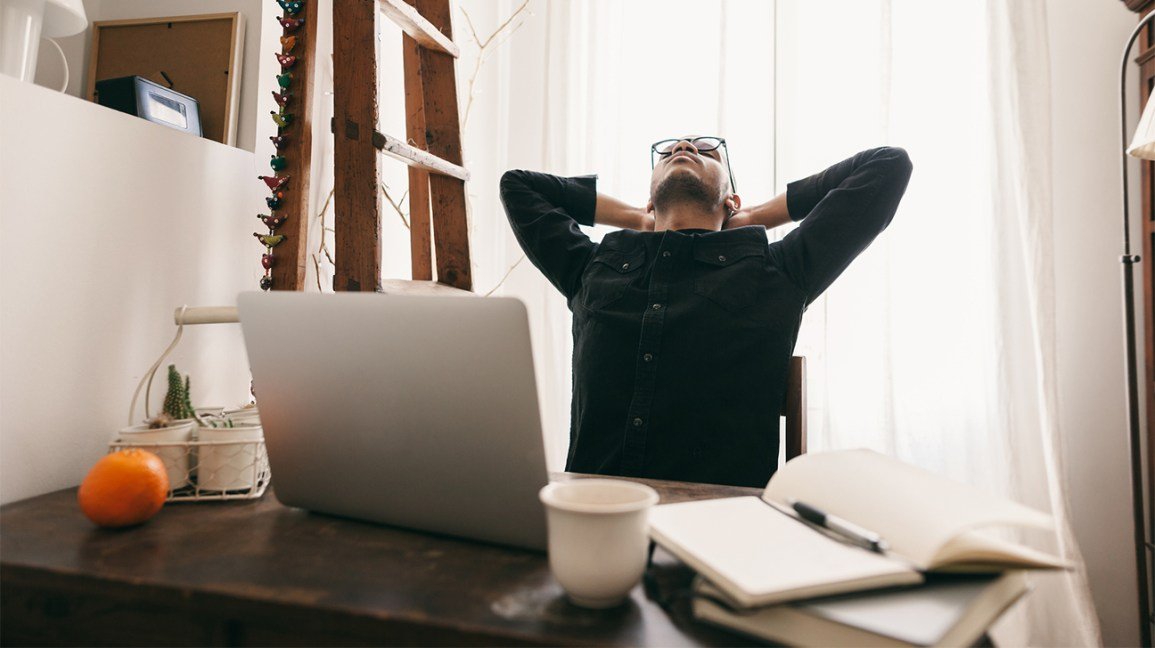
1086,42
109,223
256,71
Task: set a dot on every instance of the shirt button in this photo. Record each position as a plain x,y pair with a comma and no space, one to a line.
657,307
625,266
637,422
722,258
648,357
666,254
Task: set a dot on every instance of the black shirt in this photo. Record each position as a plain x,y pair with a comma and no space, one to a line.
682,339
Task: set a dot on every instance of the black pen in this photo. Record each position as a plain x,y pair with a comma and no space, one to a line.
852,532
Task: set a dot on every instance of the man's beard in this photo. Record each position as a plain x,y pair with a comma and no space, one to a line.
678,188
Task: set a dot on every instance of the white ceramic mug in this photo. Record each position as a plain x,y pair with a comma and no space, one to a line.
598,537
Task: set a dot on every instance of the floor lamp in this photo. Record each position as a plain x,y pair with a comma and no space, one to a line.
1142,146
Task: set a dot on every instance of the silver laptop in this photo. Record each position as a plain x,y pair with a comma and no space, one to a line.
412,411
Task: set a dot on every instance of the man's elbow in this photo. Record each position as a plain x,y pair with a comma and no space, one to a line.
897,161
511,180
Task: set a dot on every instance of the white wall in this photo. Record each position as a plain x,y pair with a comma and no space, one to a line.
108,223
257,63
1086,40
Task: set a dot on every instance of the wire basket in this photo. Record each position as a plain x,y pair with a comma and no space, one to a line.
220,457
210,470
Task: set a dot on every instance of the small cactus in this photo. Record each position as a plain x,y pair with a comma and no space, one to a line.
161,420
176,401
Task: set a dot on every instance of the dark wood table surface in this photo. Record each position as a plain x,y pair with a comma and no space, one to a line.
259,573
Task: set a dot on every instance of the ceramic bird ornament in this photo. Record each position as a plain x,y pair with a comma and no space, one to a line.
266,261
270,240
266,283
284,80
278,140
292,7
290,24
288,43
286,60
274,182
282,97
276,200
272,221
281,119
278,162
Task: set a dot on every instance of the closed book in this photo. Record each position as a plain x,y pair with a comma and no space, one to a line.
947,610
759,552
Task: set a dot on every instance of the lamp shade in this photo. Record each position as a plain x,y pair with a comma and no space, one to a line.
1143,144
24,22
63,18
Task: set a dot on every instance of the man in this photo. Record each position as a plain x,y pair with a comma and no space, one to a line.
684,321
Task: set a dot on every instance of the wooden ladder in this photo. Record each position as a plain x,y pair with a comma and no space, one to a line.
432,149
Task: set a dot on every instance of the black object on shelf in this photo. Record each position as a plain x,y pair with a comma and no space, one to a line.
139,96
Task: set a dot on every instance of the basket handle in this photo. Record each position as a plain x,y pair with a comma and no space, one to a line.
182,316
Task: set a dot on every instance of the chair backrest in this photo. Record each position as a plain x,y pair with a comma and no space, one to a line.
794,408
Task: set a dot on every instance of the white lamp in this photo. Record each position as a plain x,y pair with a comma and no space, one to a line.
24,22
1142,146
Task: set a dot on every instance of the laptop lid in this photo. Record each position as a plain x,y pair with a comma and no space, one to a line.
414,411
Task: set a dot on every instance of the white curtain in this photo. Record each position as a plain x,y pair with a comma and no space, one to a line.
937,345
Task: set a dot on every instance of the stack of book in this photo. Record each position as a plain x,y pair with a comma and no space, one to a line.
854,548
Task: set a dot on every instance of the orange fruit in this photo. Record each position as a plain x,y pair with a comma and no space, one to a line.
124,488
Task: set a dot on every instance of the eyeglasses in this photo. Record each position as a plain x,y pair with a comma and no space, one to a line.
665,148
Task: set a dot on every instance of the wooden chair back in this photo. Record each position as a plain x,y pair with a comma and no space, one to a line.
794,408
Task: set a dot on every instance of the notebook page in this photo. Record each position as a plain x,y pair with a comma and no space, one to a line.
765,554
916,511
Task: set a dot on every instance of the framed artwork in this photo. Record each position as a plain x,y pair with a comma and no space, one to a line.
198,56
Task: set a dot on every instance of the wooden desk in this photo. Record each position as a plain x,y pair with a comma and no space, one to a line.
253,573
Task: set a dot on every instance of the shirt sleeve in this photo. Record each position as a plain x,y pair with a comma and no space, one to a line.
545,211
842,210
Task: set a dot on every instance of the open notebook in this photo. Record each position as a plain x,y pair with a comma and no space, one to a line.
759,552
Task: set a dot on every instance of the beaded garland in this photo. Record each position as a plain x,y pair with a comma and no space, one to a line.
284,120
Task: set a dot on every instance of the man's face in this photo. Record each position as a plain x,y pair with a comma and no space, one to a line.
685,173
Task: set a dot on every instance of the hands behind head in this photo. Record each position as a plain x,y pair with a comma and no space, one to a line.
740,218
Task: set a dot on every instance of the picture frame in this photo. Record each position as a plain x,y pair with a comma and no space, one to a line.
196,55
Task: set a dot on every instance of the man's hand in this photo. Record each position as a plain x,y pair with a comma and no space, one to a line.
740,218
611,211
769,214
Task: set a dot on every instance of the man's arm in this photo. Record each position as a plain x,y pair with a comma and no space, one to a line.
611,211
545,211
842,210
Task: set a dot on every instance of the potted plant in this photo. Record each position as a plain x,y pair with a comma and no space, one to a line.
247,415
168,433
229,454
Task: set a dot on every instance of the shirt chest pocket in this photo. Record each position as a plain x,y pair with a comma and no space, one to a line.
609,274
729,276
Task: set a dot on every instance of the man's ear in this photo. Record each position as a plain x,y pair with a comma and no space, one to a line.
735,202
650,207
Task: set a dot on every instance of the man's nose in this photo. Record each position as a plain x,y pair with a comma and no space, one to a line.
684,145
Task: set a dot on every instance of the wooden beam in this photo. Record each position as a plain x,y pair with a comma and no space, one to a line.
443,139
357,194
412,155
795,408
420,226
417,158
290,257
406,287
417,27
